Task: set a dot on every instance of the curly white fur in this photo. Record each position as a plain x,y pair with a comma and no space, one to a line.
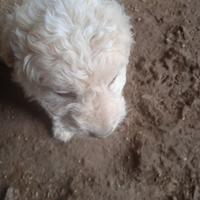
71,57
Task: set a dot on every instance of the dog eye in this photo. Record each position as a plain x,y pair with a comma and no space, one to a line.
113,80
67,94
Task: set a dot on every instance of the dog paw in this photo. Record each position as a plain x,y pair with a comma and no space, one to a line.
62,134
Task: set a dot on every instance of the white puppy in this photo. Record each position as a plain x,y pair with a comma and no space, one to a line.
71,57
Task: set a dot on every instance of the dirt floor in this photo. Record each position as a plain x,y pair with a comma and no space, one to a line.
156,153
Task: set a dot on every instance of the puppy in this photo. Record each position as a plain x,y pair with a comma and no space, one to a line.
71,57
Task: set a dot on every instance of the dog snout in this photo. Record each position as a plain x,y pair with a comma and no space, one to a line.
100,113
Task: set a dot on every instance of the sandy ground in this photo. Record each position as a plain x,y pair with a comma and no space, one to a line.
156,153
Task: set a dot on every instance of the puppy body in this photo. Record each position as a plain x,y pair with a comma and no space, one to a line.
71,57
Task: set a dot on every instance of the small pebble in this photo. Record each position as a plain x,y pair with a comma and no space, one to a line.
89,179
75,191
81,161
183,45
185,158
36,194
139,19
